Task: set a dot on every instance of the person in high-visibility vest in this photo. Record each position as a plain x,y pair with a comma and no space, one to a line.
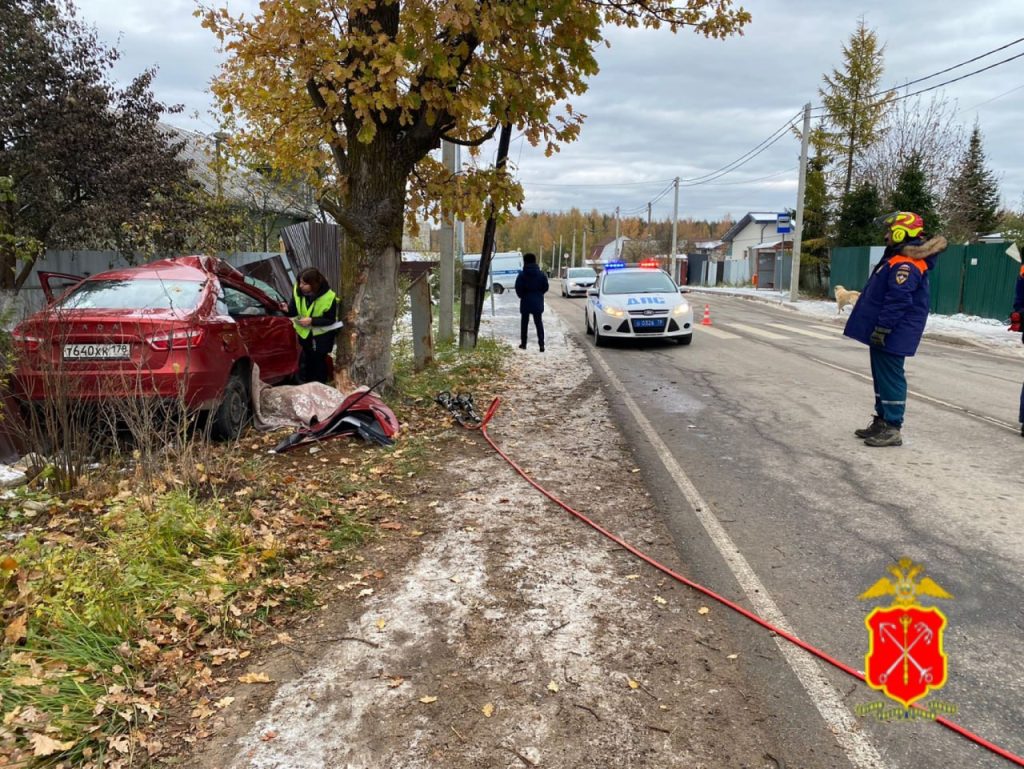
314,312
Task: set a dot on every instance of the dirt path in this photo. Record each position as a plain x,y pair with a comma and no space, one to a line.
501,631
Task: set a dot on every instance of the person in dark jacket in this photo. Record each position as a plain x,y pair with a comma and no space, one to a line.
890,317
531,285
1016,324
314,312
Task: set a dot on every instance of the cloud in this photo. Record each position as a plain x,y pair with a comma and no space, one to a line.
665,105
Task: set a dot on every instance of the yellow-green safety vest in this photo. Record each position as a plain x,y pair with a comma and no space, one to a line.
313,309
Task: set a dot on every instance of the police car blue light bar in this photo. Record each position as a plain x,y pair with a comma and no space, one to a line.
614,265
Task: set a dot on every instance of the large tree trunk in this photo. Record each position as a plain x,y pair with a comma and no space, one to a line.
374,214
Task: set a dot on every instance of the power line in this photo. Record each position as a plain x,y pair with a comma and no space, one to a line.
728,170
648,183
955,66
989,101
939,85
756,150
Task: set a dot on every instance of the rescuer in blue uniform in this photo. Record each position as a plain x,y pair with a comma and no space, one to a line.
1015,325
890,317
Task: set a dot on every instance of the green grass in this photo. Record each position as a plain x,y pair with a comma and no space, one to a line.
111,591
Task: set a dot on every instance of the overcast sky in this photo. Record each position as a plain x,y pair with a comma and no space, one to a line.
668,105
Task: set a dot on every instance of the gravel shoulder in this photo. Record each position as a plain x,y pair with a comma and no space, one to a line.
497,630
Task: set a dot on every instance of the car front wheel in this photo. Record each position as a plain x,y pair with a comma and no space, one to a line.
684,340
599,341
586,318
232,414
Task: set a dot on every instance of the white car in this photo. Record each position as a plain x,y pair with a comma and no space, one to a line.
577,280
637,303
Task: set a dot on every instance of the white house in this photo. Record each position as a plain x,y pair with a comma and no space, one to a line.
754,247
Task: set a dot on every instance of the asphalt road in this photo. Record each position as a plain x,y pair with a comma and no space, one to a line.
789,514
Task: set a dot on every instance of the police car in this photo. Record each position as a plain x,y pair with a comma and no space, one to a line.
637,303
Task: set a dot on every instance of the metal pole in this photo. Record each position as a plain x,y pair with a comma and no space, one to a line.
798,230
572,258
446,306
583,250
675,226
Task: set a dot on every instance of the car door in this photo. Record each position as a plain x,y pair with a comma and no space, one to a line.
54,284
265,329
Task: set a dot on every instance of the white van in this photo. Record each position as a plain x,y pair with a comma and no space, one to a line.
505,267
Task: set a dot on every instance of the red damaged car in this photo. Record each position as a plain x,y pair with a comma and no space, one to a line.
186,330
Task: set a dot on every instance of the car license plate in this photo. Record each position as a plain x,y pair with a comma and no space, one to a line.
648,323
97,351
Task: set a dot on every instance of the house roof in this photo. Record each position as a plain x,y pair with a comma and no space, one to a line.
239,185
761,217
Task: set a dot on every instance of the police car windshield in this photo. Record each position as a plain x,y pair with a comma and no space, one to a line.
646,282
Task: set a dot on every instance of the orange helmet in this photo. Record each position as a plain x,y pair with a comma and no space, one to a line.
902,224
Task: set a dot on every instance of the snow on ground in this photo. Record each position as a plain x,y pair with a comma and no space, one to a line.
984,332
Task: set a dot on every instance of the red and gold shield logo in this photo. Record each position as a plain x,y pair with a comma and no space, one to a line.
905,659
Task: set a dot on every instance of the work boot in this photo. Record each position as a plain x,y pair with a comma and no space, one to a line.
889,435
873,429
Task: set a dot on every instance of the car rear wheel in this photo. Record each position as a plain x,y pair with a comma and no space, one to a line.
232,414
684,340
498,288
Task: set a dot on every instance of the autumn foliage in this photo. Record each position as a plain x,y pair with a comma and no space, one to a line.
354,95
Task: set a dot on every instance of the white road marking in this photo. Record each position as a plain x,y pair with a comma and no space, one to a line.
717,332
756,331
802,331
858,748
921,396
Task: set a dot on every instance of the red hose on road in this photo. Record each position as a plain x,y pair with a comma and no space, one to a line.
951,725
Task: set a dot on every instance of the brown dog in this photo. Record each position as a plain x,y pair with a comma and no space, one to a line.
844,298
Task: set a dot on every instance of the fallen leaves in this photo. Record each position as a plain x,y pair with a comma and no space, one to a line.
16,629
426,700
703,610
487,710
47,746
552,686
255,678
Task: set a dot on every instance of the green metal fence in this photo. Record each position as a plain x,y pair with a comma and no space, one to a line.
975,280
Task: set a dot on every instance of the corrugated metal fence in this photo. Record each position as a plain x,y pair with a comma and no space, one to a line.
975,279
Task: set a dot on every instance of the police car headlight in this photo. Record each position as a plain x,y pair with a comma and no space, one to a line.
681,309
615,312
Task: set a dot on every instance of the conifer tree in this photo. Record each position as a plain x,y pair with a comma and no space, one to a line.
972,201
860,209
855,107
912,193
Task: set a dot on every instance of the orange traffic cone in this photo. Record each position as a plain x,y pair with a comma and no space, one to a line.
707,316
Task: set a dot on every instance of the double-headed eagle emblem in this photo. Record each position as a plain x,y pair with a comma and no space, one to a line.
905,587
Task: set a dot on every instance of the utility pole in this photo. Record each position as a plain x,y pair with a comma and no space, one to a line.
798,231
648,216
218,139
583,250
446,285
572,259
561,253
616,233
675,230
